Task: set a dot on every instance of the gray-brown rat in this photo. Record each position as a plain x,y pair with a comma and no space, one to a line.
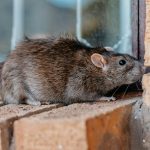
64,70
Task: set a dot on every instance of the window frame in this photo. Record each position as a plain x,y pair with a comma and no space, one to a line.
138,28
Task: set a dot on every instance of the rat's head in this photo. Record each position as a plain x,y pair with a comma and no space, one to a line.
117,68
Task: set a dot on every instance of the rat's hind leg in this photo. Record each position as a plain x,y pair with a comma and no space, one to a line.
13,93
9,98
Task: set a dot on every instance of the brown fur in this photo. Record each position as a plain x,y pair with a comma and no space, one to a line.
60,70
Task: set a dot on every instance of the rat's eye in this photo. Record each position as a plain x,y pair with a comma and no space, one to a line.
122,62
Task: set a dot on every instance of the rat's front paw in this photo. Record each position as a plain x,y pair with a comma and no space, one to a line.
104,98
33,103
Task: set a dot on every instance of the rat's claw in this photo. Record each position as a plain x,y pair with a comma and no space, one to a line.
107,98
33,103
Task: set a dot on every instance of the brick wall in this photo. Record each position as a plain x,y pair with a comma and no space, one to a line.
147,34
146,78
145,119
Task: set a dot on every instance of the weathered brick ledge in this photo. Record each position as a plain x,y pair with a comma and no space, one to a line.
93,126
119,125
97,126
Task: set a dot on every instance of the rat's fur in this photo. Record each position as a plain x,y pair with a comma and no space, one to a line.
60,70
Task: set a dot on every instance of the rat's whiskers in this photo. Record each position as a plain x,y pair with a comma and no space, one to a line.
125,91
115,91
139,89
137,86
139,83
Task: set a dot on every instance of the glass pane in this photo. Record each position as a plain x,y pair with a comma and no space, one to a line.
5,27
108,23
50,17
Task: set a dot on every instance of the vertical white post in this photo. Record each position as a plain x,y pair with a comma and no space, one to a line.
79,20
125,26
18,22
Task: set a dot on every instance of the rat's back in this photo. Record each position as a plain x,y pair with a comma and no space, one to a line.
37,71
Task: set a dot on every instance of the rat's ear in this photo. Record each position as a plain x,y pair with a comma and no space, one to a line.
98,60
109,48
